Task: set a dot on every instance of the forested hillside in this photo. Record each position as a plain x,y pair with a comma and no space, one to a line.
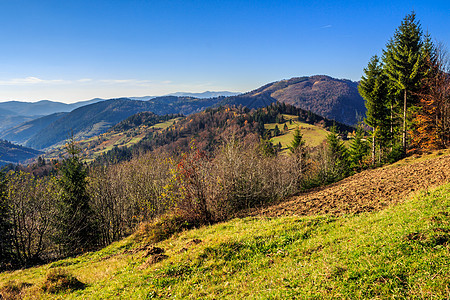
22,133
212,127
14,154
332,98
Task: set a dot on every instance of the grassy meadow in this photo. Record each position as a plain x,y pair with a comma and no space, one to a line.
313,135
402,252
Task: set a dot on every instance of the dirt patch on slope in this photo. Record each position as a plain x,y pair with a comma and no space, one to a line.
366,191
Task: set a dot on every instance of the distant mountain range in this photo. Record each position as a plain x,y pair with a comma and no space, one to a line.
329,97
96,118
21,133
43,107
13,113
10,153
206,94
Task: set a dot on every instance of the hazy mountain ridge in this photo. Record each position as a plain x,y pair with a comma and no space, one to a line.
97,118
11,153
43,107
207,94
332,98
14,113
23,132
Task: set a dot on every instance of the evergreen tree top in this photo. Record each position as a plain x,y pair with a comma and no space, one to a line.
402,57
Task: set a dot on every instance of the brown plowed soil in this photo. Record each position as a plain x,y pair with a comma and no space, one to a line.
366,191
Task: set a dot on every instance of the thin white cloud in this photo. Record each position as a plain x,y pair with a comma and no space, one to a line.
31,81
326,26
131,82
84,80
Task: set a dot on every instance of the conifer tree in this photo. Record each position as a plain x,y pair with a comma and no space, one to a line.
267,148
75,230
5,225
298,150
403,60
358,148
374,89
338,155
298,142
276,131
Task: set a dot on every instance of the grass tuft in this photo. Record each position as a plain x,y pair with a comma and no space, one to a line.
13,290
59,280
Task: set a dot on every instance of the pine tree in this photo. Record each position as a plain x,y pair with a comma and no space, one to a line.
298,150
338,155
403,60
374,89
266,148
74,225
358,148
5,225
297,143
276,131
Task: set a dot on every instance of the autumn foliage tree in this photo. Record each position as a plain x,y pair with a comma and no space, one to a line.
431,126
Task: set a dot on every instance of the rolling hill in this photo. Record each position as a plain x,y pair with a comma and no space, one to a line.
94,119
11,153
335,99
332,98
125,134
21,133
211,127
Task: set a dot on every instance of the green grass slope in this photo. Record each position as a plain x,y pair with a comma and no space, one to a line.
402,252
313,135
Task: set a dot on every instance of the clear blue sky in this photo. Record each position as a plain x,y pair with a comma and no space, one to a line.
70,50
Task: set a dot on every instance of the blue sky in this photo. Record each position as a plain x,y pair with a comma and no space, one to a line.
75,50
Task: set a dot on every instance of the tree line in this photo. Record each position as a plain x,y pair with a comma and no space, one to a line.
406,92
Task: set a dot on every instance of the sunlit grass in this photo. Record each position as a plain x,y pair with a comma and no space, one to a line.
401,252
313,135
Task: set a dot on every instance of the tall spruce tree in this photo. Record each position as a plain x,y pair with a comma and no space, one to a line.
403,60
338,156
75,229
5,225
374,89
